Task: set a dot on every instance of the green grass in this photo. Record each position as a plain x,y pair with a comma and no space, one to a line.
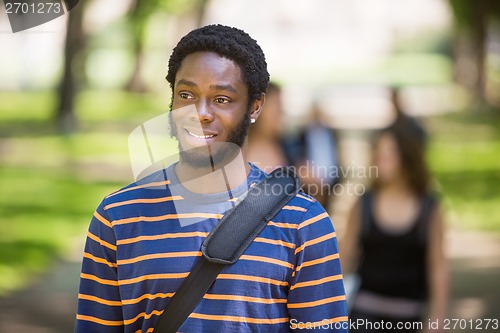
464,156
32,107
51,184
43,210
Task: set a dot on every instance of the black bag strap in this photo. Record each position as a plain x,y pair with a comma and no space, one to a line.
227,241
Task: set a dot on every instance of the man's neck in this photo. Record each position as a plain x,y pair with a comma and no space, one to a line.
214,179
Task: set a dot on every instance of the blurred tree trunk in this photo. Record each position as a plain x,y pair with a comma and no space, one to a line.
135,83
139,15
68,87
199,11
479,30
472,18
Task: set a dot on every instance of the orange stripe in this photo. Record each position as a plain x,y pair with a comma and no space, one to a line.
316,303
143,314
317,261
148,331
283,225
99,260
239,319
135,201
312,220
297,208
306,198
154,276
100,241
100,321
98,279
102,219
315,241
267,260
316,282
252,279
165,182
221,297
162,236
146,296
159,256
165,217
99,300
274,242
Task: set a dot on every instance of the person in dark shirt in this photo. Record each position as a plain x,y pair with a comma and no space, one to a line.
395,236
318,155
144,239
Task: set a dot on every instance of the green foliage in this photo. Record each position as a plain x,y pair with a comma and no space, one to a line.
119,106
45,210
462,11
464,158
51,184
466,12
142,10
430,42
14,106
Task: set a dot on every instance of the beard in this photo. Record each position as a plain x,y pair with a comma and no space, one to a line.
216,154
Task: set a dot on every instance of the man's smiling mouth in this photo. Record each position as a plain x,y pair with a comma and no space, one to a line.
201,136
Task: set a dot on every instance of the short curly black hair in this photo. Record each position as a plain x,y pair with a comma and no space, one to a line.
228,42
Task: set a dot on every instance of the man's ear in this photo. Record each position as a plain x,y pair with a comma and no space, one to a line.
256,107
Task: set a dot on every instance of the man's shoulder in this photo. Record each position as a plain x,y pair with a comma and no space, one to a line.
302,207
142,188
304,200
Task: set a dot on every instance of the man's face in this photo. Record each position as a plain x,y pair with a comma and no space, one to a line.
210,108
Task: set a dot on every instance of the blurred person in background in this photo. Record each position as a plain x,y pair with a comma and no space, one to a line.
405,120
267,146
317,158
395,236
313,151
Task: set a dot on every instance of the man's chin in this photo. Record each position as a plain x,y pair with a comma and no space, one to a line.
196,160
213,156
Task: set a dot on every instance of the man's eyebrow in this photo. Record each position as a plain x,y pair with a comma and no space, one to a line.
227,87
186,83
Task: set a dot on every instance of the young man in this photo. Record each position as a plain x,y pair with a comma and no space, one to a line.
140,247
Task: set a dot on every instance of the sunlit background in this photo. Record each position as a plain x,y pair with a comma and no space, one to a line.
73,89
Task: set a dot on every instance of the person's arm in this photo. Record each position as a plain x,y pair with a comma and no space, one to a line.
438,269
317,297
99,303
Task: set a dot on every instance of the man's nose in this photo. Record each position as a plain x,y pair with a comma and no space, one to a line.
205,113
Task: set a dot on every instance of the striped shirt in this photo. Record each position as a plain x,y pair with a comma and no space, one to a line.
140,248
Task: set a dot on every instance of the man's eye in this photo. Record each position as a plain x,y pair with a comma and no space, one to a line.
222,100
184,95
